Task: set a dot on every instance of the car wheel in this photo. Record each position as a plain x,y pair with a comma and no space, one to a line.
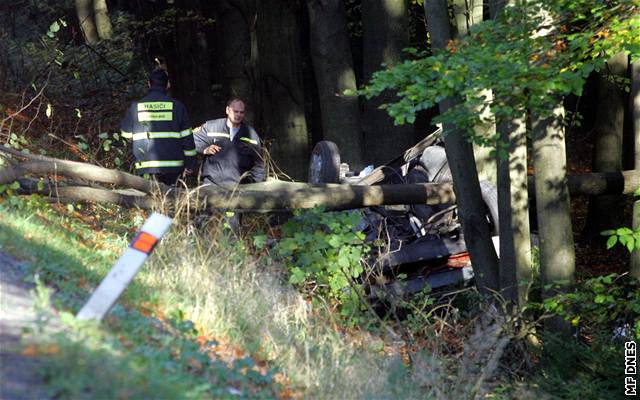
324,165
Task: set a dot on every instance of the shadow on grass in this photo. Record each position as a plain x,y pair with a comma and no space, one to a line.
130,355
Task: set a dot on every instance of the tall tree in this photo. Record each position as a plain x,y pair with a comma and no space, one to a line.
239,50
384,35
282,103
467,13
463,168
605,211
101,16
513,201
333,67
84,11
188,53
557,253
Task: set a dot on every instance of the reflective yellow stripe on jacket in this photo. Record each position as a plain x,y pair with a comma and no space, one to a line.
248,140
159,164
189,153
146,116
156,135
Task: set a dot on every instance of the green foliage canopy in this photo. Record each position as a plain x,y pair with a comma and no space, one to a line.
529,56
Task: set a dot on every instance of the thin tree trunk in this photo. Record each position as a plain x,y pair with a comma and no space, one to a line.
605,212
384,35
557,253
635,115
513,204
333,67
463,169
103,22
513,211
84,11
281,73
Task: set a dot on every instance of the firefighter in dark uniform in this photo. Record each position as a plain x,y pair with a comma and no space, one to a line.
232,149
159,126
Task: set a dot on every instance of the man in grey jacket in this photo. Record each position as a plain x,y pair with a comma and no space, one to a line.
232,149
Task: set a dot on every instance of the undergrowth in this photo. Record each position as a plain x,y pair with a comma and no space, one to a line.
211,315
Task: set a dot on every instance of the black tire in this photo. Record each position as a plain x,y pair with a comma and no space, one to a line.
490,197
324,165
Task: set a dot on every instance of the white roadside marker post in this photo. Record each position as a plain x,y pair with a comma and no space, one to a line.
127,266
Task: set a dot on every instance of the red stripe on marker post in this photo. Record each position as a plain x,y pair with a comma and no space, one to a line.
144,242
127,266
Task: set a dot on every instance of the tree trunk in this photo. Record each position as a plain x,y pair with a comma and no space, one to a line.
513,204
605,212
634,105
278,28
384,35
84,11
463,169
188,56
466,13
513,210
557,253
103,22
237,32
333,67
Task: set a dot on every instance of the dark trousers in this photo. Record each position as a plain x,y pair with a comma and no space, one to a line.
167,179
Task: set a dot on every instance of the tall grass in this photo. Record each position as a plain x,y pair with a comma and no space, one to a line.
219,284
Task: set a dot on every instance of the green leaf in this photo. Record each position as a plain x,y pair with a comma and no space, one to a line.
608,232
612,242
599,299
259,241
14,185
624,231
631,244
54,27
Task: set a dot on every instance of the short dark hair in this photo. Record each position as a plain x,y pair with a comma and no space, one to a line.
159,77
233,100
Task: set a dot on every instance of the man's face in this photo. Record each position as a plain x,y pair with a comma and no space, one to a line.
235,112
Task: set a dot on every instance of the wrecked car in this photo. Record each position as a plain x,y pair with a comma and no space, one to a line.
422,243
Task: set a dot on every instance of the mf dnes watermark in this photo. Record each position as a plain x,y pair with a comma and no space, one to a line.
630,368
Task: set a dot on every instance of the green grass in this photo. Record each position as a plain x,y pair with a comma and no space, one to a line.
208,285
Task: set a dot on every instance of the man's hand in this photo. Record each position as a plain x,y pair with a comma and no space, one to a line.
211,150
